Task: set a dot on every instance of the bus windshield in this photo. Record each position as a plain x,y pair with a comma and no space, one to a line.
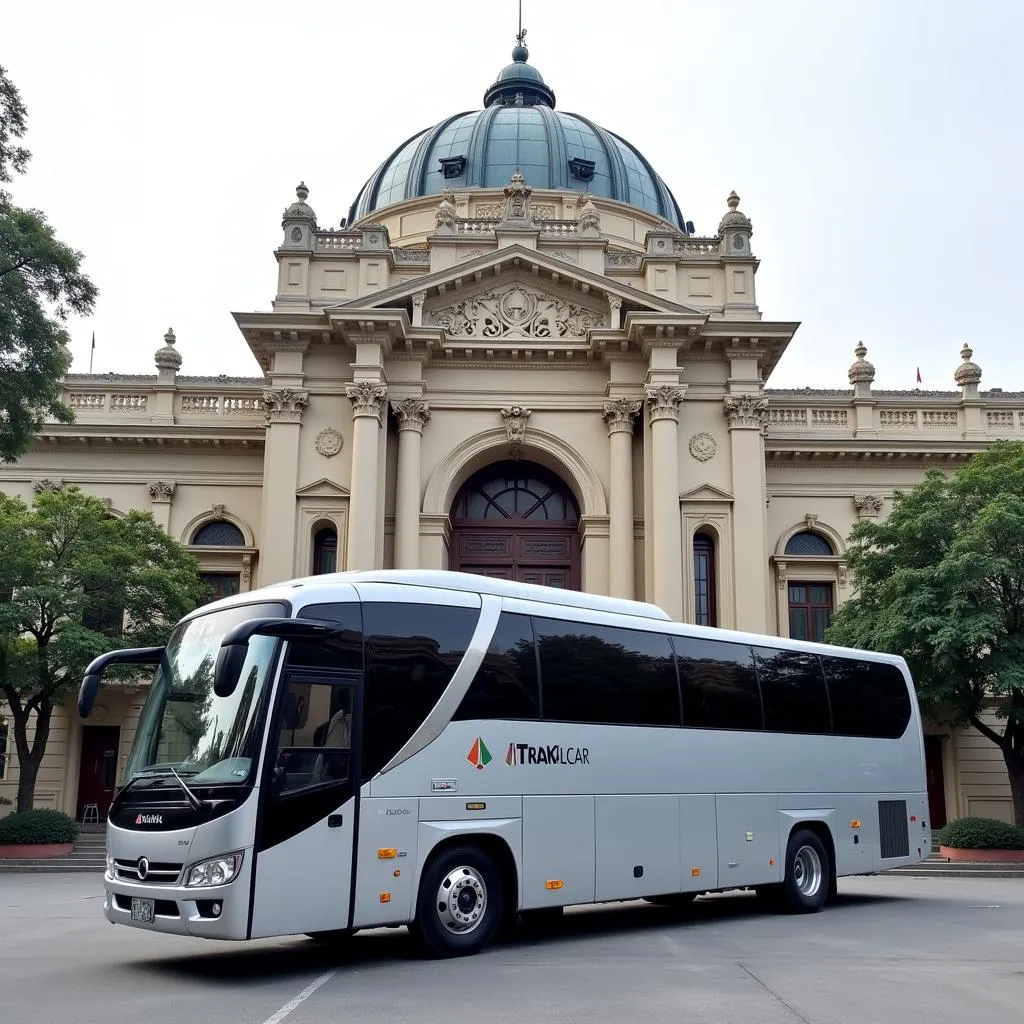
184,726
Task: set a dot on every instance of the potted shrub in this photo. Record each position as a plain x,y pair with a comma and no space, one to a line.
36,834
981,839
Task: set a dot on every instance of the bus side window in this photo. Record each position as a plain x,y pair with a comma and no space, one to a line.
412,652
505,686
793,691
869,698
314,740
720,688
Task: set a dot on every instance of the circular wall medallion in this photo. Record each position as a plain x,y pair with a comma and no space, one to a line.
328,442
703,446
296,234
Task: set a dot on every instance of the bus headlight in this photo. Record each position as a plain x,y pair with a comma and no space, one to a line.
218,871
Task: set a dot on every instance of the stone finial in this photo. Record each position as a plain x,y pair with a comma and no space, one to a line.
734,219
168,357
861,372
589,219
444,217
967,373
300,210
517,198
735,230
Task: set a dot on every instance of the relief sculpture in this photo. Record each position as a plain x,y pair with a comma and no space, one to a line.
516,312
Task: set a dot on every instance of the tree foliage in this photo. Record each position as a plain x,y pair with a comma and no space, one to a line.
941,582
41,285
74,583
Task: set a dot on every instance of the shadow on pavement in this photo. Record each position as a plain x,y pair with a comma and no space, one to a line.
278,959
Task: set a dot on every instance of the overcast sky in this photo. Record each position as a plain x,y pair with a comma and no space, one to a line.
877,147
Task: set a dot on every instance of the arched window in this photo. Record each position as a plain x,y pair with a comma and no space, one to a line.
705,597
219,533
516,491
325,550
807,543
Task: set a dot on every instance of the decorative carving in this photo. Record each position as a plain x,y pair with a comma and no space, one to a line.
517,198
285,405
515,417
781,569
842,574
367,399
411,413
811,520
565,257
247,569
868,505
663,402
622,259
47,485
328,442
444,218
517,312
589,218
162,490
108,503
218,509
619,413
703,446
746,412
488,210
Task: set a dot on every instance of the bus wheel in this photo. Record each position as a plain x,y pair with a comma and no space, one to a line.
808,873
459,907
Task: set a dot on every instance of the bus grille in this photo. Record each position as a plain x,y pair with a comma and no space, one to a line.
156,873
893,831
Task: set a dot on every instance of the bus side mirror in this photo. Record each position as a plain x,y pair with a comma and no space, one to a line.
94,672
234,648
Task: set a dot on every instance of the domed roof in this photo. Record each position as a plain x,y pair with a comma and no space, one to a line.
518,128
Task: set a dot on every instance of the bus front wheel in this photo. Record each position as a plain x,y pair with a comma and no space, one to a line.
808,876
459,907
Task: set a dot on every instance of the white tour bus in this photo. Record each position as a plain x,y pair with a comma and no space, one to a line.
447,751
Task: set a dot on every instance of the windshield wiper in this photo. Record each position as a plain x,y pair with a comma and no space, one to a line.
195,801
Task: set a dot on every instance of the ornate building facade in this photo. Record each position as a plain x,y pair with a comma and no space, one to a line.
518,359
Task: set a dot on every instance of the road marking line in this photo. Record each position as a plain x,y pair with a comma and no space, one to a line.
300,998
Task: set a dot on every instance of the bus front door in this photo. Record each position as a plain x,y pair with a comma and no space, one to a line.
304,841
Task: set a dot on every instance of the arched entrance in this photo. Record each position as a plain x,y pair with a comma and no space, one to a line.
517,521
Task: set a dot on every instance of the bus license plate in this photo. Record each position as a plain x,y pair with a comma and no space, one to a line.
142,910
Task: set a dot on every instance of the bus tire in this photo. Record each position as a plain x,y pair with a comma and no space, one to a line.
805,887
460,903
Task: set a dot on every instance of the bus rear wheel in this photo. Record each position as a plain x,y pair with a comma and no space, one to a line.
808,878
460,903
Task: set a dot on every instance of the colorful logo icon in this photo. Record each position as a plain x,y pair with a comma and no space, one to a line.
479,756
510,755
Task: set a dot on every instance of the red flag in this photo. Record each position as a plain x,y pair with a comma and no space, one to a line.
919,375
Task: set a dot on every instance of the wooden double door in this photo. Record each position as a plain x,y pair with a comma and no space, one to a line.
517,521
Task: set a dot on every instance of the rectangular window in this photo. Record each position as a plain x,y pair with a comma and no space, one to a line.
704,598
810,610
720,688
793,690
506,683
221,584
606,675
869,698
343,653
412,652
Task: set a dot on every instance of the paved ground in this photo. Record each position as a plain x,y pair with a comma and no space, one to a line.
941,951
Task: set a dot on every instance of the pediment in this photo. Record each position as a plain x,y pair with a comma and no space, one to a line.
322,488
706,492
546,274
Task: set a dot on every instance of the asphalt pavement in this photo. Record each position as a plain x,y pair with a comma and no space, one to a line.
891,950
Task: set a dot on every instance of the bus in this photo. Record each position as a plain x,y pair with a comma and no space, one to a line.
454,752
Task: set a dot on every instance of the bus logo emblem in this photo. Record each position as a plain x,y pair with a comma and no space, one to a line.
510,755
479,756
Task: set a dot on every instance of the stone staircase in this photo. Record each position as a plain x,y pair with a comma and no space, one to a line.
936,866
89,854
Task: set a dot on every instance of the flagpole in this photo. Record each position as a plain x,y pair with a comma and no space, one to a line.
92,350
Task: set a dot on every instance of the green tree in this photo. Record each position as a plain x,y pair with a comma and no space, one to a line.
74,583
41,284
941,582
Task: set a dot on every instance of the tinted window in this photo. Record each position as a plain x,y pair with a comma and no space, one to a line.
412,651
719,686
793,691
506,684
606,675
341,653
868,698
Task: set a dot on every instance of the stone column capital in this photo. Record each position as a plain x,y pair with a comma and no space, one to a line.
367,399
746,412
285,405
162,491
619,414
411,413
663,401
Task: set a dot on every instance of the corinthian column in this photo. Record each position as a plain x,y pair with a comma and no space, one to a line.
412,415
748,416
368,401
663,402
618,414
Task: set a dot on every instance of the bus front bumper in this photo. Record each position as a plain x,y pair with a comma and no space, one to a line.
213,912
